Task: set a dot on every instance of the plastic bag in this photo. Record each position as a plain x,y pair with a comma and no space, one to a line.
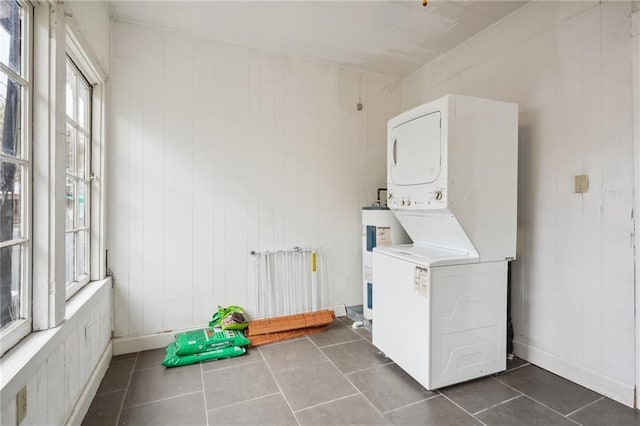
171,359
229,318
208,339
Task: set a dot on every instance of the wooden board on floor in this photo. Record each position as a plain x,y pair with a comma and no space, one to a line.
290,322
263,339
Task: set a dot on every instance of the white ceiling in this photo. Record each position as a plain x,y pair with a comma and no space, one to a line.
393,38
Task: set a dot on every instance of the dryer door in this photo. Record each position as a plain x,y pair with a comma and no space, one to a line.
415,150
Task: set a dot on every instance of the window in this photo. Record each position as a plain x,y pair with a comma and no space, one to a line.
78,181
15,173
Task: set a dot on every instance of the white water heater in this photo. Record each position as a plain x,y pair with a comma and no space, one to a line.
452,180
380,228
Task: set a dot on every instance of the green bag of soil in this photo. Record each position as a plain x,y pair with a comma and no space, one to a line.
208,339
171,359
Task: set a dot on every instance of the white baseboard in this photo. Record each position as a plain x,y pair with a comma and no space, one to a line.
616,390
130,344
89,392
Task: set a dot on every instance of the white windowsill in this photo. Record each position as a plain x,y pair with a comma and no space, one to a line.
22,362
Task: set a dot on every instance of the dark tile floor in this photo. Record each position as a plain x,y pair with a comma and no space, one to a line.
335,378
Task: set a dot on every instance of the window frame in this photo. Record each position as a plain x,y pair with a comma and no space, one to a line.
23,326
78,49
75,286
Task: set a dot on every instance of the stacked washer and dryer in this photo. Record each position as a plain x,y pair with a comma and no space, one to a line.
440,303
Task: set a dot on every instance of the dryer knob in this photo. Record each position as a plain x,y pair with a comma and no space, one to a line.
438,195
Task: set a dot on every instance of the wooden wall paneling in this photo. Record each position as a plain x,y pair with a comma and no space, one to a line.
203,179
267,156
329,145
290,188
153,165
279,114
56,386
136,219
118,205
619,319
237,75
71,371
568,116
253,206
256,150
178,189
591,207
219,190
307,107
9,413
42,389
349,224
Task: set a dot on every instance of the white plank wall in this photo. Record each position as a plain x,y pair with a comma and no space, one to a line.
217,150
55,385
568,65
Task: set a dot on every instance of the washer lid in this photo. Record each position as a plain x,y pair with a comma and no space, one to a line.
415,150
427,256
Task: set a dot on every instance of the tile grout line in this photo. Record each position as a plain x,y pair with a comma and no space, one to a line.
234,404
349,380
460,407
535,400
326,402
204,397
111,391
555,411
502,373
279,388
369,368
413,403
498,404
339,343
163,399
282,342
510,387
126,392
227,368
582,408
150,368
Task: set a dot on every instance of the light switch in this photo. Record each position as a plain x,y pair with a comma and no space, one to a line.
582,184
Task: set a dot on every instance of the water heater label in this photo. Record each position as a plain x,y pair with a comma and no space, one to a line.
421,281
383,236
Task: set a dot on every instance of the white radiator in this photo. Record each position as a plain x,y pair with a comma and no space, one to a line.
288,282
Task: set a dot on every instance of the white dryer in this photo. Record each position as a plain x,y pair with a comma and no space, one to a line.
452,182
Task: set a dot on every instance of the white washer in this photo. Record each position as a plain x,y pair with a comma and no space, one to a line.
452,179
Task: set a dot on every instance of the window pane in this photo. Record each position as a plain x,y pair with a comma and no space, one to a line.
10,96
11,35
10,284
70,91
70,201
10,201
82,253
70,258
83,95
82,205
70,148
80,145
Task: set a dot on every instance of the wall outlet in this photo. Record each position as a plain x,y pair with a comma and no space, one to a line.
582,184
21,401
